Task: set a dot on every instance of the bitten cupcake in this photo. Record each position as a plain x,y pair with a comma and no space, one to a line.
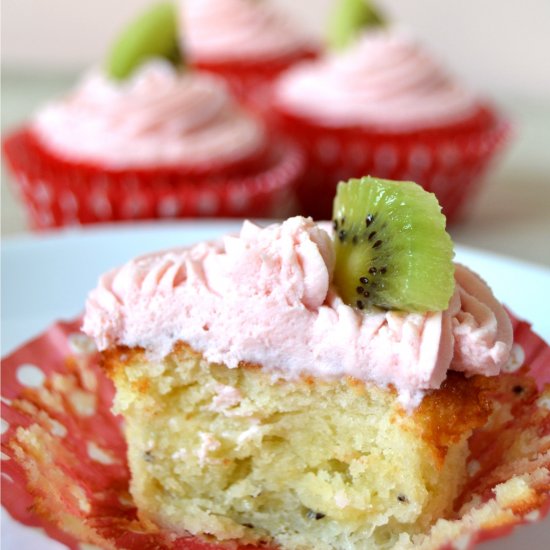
384,106
147,138
247,42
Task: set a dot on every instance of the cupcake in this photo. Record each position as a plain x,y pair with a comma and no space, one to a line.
381,105
147,138
268,400
244,41
264,407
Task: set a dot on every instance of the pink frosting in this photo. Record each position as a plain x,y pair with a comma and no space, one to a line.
157,117
229,30
265,297
385,79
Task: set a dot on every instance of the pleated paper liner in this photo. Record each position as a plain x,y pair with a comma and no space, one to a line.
449,162
64,463
250,80
57,192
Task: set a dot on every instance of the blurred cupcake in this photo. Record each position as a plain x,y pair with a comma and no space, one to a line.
246,42
148,141
384,107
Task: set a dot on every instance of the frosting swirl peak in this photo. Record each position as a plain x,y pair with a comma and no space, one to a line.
157,117
385,79
229,30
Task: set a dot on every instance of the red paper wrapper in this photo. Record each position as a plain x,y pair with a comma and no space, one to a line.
57,192
250,80
449,162
64,455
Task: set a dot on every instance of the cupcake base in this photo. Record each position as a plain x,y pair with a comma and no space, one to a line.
449,162
58,192
250,81
65,468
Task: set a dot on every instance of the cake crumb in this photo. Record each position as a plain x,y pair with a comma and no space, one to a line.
208,444
341,500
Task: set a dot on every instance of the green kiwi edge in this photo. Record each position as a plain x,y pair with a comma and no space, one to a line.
392,249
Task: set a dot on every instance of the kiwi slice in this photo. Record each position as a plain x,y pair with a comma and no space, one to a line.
392,250
152,34
350,17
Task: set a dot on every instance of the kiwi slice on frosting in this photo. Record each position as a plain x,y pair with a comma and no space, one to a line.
349,18
152,34
392,249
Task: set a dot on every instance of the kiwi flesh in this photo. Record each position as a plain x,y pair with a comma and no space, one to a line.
349,18
154,34
392,249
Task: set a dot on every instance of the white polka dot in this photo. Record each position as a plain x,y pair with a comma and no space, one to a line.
420,158
544,402
449,155
532,516
5,400
126,501
23,180
95,452
207,203
238,200
45,217
42,192
463,543
100,205
168,207
473,467
517,357
81,344
57,428
84,403
81,498
385,159
7,477
68,203
134,206
30,376
4,456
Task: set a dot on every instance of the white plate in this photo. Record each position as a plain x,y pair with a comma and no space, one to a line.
47,277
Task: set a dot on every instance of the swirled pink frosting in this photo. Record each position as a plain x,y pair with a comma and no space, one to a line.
265,297
157,117
229,30
386,79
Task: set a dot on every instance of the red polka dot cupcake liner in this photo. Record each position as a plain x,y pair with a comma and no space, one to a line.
449,162
64,467
250,81
58,192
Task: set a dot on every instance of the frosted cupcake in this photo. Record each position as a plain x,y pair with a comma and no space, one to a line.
291,411
246,42
265,407
148,140
384,106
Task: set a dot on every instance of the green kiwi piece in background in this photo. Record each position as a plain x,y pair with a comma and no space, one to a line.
392,249
349,18
152,34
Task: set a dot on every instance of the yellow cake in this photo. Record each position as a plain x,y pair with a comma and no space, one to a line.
307,464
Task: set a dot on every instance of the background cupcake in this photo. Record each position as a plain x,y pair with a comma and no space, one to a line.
383,106
148,139
247,42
